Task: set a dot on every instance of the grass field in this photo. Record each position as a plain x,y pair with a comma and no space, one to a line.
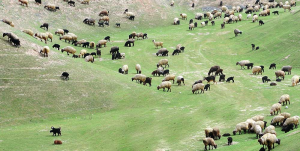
100,109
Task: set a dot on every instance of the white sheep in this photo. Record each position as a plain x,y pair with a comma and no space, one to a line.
100,43
270,129
292,120
89,58
295,80
169,78
275,107
257,130
286,7
139,77
254,18
183,16
74,37
42,36
237,31
202,24
191,26
197,87
176,21
210,142
165,84
277,120
28,31
226,19
250,123
60,32
239,127
198,15
163,62
69,49
224,8
45,50
249,16
242,63
180,79
256,69
271,139
240,17
284,99
49,35
260,123
82,53
156,44
258,118
125,69
138,68
66,37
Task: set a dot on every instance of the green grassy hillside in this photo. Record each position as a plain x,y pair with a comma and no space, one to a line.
100,109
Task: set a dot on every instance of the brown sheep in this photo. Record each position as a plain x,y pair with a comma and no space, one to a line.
24,2
58,142
104,18
209,142
8,22
279,74
104,13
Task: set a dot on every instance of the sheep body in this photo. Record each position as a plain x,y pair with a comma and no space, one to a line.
257,130
286,115
275,107
66,37
286,7
270,129
236,32
49,35
8,22
89,58
125,69
42,36
277,119
163,62
82,52
279,74
156,44
180,79
254,18
191,26
258,118
28,31
271,139
197,87
208,132
169,78
295,80
100,43
216,133
292,120
284,99
239,127
69,49
45,50
162,51
183,16
59,31
138,68
256,70
242,63
250,123
209,142
165,84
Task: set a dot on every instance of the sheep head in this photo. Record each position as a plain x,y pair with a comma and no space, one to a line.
158,87
234,132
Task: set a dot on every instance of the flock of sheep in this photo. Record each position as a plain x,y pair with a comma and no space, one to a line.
254,124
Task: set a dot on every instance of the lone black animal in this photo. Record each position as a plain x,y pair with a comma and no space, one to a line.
253,46
107,38
56,46
55,130
222,78
207,86
71,3
229,140
275,12
45,25
38,1
128,43
272,66
118,24
265,79
230,79
226,134
131,18
261,22
257,48
191,21
65,76
193,5
221,3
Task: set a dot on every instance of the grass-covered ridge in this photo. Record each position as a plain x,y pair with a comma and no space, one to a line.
100,109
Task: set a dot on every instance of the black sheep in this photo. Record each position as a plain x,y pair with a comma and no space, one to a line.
182,49
98,52
273,84
253,46
278,80
148,80
249,65
229,79
221,3
107,38
105,23
191,21
75,56
118,24
195,24
71,3
199,17
114,50
257,48
229,140
128,43
176,51
178,22
101,24
210,78
93,54
45,25
126,10
261,22
196,82
222,25
86,44
262,68
66,31
165,53
212,23
207,86
56,46
226,15
206,22
273,65
222,78
287,128
275,12
264,79
87,54
38,1
166,72
15,42
226,134
121,71
131,18
55,130
193,5
262,149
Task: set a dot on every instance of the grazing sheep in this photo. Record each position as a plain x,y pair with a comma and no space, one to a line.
51,7
148,80
199,16
129,14
261,23
284,99
202,24
275,12
254,18
124,69
49,35
100,43
262,140
163,62
66,37
75,56
239,127
286,7
45,25
257,130
222,25
138,69
272,66
242,63
222,78
105,19
265,79
236,32
197,87
226,134
59,32
172,3
55,130
176,51
180,79
258,118
219,72
287,69
275,107
85,2
89,21
248,16
65,76
256,70
56,46
262,124
196,82
292,120
8,22
69,49
286,115
253,46
114,49
191,26
277,120
213,69
57,142
271,139
82,53
230,79
287,128
169,78
85,44
129,42
270,129
224,8
216,133
295,80
162,52
273,84
209,142
79,42
42,36
89,58
24,2
210,78
250,123
71,3
165,84
28,31
206,87
165,72
118,24
229,139
45,50
279,74
208,132
183,16
104,13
